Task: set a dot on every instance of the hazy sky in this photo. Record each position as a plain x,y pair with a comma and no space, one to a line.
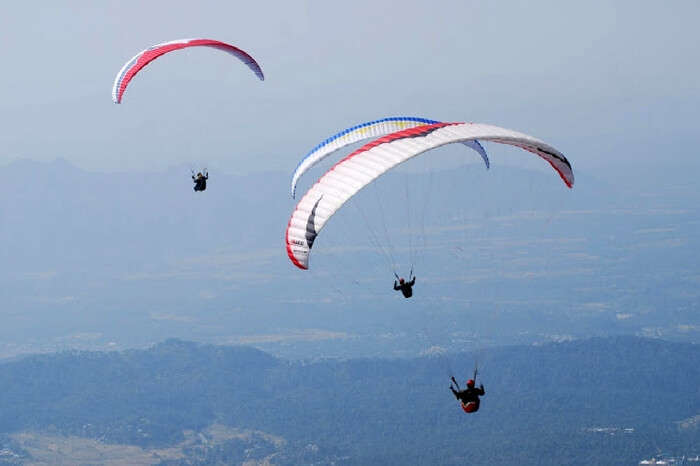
605,82
611,84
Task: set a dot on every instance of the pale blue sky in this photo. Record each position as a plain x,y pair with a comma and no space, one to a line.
605,82
134,258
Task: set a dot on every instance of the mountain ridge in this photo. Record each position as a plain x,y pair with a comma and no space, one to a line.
559,393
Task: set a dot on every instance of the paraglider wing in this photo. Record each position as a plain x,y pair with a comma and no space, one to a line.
360,168
133,66
369,130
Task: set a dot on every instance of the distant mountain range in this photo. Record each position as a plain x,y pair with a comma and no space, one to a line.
509,255
596,401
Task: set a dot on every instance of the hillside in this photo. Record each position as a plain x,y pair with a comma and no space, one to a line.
616,400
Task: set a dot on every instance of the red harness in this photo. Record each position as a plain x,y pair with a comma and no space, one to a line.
470,407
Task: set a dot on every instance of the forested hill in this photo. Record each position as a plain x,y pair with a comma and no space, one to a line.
597,401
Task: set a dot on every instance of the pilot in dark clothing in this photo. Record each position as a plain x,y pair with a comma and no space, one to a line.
469,396
405,287
200,181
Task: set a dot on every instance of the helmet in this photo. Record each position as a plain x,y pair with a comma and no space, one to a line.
401,280
199,173
470,383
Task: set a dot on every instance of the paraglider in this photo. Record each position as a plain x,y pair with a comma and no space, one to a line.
350,175
406,287
133,66
469,397
368,130
200,181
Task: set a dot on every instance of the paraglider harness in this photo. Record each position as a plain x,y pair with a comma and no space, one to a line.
200,181
407,286
469,397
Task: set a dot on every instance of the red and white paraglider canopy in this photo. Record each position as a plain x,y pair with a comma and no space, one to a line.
133,66
362,167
